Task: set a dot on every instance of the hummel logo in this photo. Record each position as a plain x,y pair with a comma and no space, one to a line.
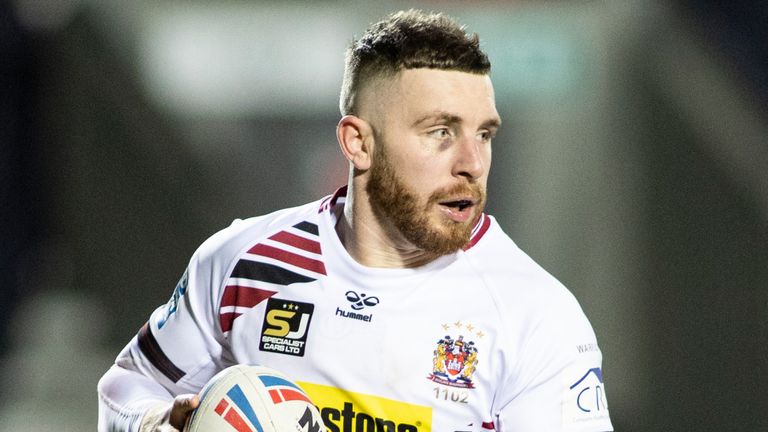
360,301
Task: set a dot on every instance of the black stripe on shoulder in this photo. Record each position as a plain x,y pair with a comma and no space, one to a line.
307,227
151,349
267,273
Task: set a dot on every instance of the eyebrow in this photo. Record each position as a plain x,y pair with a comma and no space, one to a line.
449,118
438,116
493,123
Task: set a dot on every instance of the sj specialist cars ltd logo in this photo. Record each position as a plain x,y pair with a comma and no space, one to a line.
455,356
286,326
358,301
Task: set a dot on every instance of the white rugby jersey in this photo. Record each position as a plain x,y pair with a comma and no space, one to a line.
479,340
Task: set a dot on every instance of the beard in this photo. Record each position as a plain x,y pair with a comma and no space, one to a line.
394,203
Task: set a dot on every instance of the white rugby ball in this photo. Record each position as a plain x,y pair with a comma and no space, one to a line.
246,398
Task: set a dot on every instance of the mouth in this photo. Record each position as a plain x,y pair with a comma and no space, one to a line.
458,210
460,204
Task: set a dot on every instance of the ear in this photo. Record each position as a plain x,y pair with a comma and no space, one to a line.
355,137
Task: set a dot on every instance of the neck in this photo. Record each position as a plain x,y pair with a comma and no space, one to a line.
373,245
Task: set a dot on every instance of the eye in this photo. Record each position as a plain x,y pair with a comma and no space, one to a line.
486,136
441,133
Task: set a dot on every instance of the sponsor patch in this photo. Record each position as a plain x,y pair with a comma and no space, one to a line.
345,411
286,326
584,401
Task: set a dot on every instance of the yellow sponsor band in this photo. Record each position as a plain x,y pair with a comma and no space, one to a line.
345,411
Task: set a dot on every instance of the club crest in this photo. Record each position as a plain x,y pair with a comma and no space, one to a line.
454,360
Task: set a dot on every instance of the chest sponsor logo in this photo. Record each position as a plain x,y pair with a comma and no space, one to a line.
286,326
345,411
455,358
358,301
584,400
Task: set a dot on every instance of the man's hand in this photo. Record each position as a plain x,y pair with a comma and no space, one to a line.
170,417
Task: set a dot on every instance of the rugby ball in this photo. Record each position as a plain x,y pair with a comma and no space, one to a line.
246,398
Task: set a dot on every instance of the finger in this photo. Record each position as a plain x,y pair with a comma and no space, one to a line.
183,406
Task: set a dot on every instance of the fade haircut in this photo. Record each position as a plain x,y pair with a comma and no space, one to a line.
408,40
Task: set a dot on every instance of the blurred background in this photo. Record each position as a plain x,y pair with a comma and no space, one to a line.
633,165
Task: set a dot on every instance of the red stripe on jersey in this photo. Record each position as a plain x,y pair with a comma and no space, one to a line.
292,395
488,425
242,296
288,257
340,192
326,204
297,241
483,224
226,320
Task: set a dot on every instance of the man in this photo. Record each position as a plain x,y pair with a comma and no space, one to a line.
396,303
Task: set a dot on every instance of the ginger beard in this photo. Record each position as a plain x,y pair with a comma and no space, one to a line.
394,202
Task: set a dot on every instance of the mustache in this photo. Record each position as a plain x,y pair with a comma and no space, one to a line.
465,190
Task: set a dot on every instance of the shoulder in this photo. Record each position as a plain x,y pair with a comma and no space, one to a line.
521,286
557,360
506,267
226,245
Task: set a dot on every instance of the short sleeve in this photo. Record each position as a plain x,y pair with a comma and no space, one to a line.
181,346
558,384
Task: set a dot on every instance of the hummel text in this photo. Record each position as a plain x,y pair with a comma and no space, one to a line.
354,315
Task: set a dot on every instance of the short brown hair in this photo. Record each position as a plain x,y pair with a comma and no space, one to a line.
409,40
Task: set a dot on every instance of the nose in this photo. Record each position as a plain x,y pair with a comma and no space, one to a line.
471,158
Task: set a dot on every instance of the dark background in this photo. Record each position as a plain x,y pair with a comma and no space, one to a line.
633,164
